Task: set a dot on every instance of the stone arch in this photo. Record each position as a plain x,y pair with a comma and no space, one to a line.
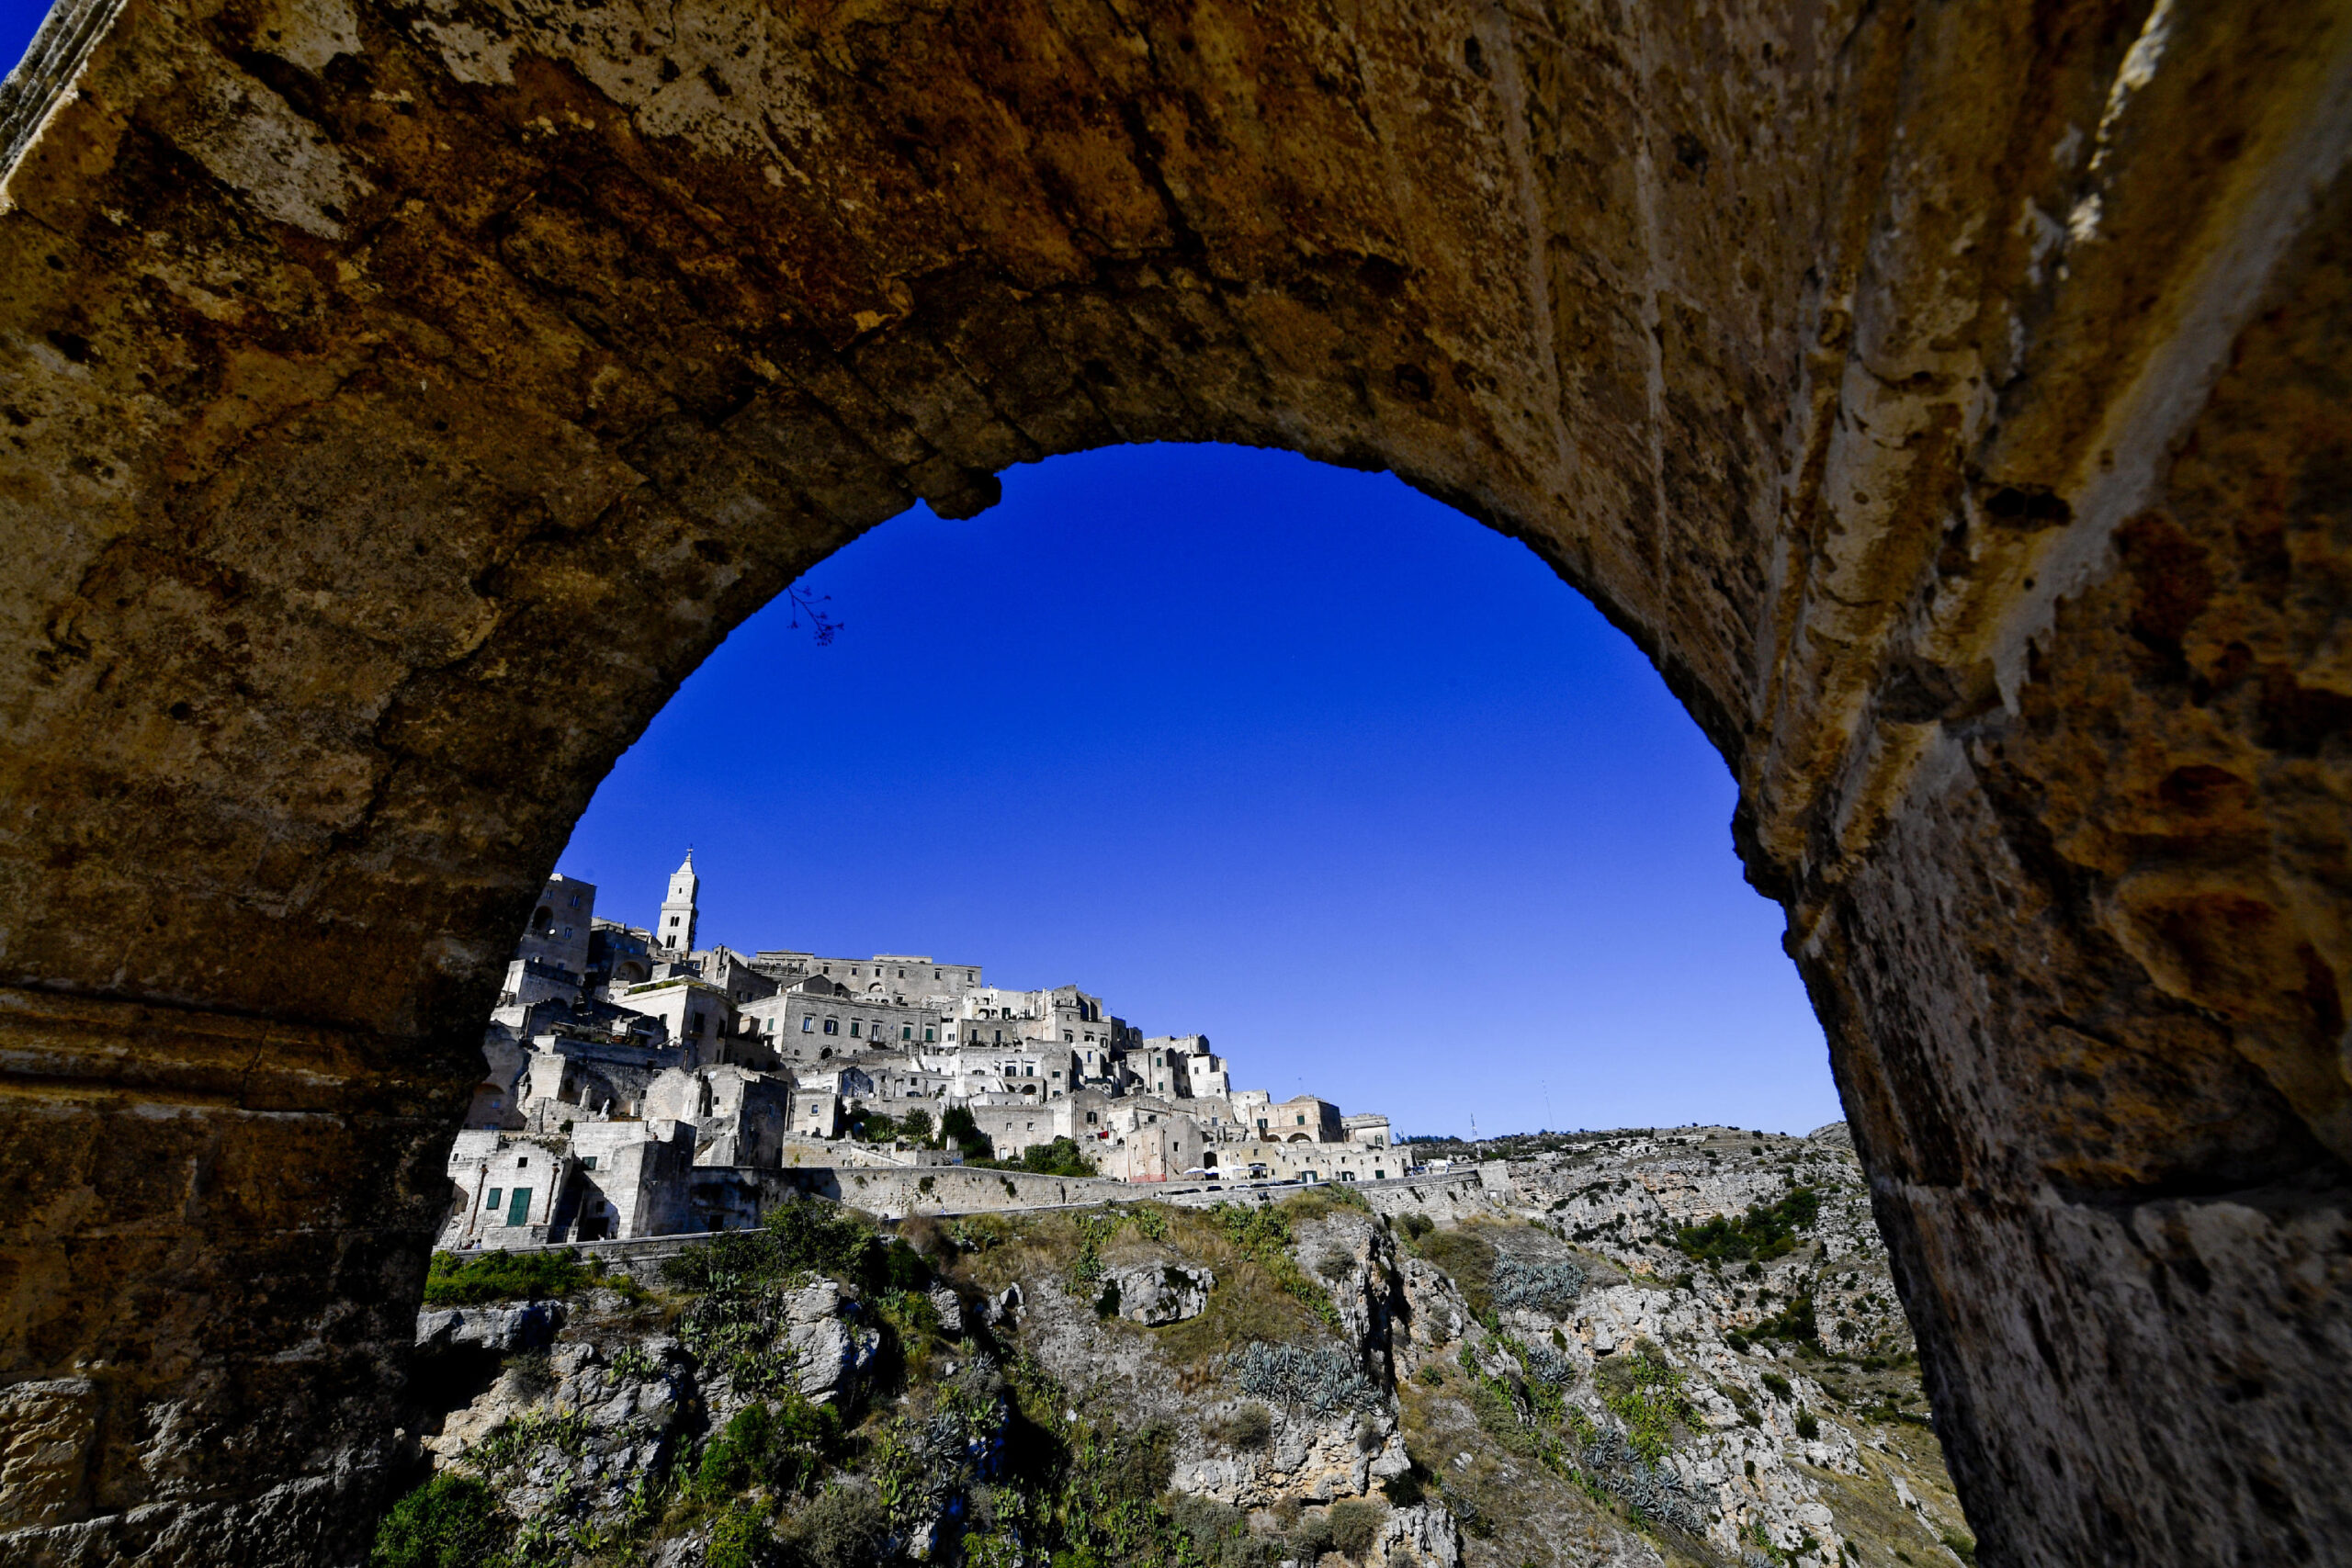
400,402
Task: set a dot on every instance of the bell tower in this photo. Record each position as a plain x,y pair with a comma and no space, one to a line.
676,931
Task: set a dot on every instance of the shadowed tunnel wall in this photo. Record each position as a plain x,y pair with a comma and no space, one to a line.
397,400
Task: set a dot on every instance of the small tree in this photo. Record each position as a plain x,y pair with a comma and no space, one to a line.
915,1125
957,1127
451,1521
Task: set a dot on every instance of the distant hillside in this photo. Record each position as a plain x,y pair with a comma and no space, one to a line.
1635,1347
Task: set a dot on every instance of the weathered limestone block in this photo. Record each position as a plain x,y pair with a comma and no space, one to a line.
524,1326
1157,1294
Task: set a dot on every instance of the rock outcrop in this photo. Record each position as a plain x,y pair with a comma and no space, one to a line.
1489,1393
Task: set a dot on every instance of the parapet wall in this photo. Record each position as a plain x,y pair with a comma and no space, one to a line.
943,1190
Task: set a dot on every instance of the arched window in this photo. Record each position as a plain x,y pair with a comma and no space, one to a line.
543,919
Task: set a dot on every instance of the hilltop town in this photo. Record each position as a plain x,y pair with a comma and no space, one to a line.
640,1083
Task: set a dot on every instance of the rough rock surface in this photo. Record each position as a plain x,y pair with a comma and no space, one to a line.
400,398
1157,1294
1495,1392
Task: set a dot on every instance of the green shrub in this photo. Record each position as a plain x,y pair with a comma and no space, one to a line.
803,1235
451,1521
502,1277
1767,1231
740,1539
956,1126
1060,1157
784,1448
1793,1322
1354,1527
1312,1538
845,1527
1416,1226
916,1124
1808,1428
1247,1429
1960,1546
1779,1386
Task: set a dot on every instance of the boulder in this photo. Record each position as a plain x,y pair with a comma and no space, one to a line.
1155,1295
506,1329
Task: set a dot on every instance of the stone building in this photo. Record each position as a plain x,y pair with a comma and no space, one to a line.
558,932
621,1061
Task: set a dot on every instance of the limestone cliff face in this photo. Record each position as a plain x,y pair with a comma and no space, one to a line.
398,399
1505,1388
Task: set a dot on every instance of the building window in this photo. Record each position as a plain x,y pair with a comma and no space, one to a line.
927,1034
495,1194
697,1029
807,1026
522,1163
587,1162
834,1026
853,1029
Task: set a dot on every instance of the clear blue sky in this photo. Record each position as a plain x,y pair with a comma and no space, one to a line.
17,20
1287,755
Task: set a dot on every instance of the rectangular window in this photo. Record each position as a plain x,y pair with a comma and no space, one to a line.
832,1026
588,1162
906,1031
518,1207
807,1025
927,1034
853,1029
495,1194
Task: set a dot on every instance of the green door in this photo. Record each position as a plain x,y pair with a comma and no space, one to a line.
518,1207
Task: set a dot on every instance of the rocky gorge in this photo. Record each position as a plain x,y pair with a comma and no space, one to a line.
1662,1347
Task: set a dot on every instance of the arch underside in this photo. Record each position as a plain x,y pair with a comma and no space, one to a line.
401,400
